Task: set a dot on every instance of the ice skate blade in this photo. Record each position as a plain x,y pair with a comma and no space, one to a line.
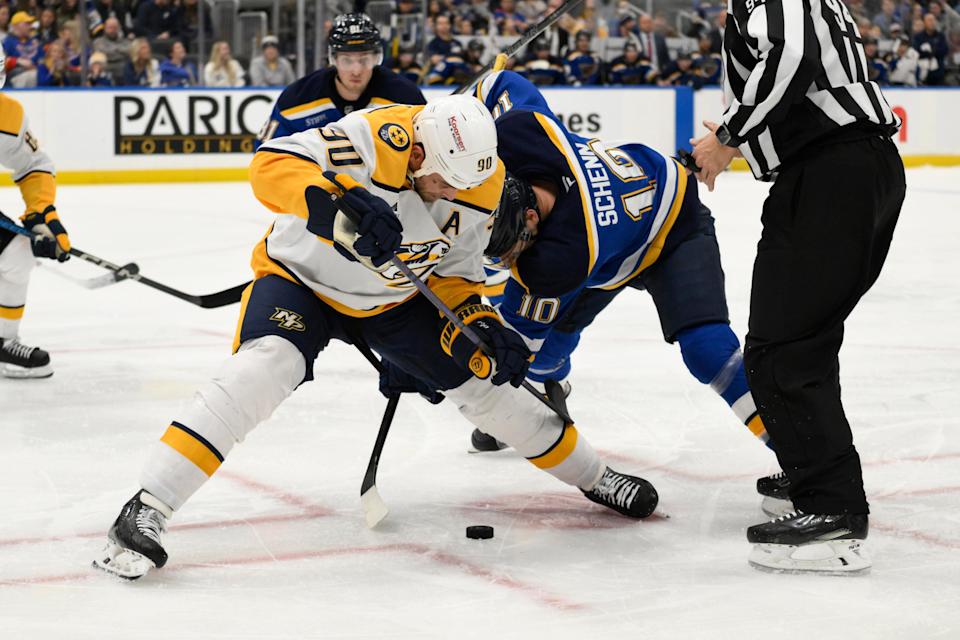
374,508
833,557
775,507
123,563
22,373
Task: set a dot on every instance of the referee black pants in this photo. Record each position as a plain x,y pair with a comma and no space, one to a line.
827,226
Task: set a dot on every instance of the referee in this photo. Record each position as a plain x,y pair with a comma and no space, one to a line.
802,113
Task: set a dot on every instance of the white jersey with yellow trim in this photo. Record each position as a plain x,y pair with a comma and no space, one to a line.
33,169
442,239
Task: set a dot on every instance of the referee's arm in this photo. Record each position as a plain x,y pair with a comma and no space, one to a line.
788,61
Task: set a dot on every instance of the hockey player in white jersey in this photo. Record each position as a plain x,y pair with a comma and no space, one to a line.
33,172
426,181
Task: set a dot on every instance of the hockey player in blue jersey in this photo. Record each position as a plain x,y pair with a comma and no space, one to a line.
354,80
580,221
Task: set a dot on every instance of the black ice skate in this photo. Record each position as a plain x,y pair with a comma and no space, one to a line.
802,542
134,544
629,495
775,490
556,391
17,360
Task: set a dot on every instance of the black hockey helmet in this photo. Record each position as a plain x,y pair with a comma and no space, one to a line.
510,224
354,32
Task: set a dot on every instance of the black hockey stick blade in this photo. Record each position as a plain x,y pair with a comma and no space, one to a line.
374,508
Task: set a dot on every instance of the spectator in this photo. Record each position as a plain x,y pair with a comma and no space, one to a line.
47,32
561,34
933,49
457,69
543,68
113,9
706,64
406,65
716,34
98,75
114,47
407,7
479,14
681,73
877,69
4,20
583,65
507,11
66,12
190,20
462,26
653,46
158,20
270,69
904,64
630,69
141,69
22,50
70,39
444,44
887,17
177,71
627,29
531,10
55,69
222,70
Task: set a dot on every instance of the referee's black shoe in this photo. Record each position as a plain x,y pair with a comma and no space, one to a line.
807,542
775,490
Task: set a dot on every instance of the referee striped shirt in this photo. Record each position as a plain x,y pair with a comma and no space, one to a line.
794,71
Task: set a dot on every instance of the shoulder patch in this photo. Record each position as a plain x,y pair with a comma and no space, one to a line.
395,136
11,116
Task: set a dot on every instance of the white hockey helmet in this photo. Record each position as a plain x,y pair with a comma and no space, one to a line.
459,140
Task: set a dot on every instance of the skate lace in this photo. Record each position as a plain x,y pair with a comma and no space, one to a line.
616,489
18,349
151,523
789,515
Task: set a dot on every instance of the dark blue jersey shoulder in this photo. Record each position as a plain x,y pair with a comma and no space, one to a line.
313,101
530,147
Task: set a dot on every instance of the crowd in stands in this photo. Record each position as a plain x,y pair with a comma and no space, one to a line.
139,43
154,43
908,42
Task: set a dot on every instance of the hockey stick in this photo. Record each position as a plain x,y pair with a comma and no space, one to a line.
421,286
374,508
528,36
208,301
97,282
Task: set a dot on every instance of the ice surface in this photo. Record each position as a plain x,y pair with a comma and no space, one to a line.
275,545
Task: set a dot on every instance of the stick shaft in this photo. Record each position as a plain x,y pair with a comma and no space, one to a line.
209,301
528,36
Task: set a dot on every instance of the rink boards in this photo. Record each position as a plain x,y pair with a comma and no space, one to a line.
103,136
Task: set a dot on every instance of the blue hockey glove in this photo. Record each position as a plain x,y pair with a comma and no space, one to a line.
394,381
511,356
50,238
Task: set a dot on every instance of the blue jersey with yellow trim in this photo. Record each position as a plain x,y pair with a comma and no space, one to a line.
615,205
312,101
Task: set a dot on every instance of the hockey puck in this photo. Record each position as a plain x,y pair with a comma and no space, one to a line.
479,532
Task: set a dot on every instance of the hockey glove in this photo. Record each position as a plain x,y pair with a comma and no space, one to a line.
50,239
394,381
510,352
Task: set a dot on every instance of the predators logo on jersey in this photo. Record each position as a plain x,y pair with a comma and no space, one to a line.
395,136
288,319
421,257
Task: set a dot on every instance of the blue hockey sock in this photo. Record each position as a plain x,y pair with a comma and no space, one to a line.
712,354
553,359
